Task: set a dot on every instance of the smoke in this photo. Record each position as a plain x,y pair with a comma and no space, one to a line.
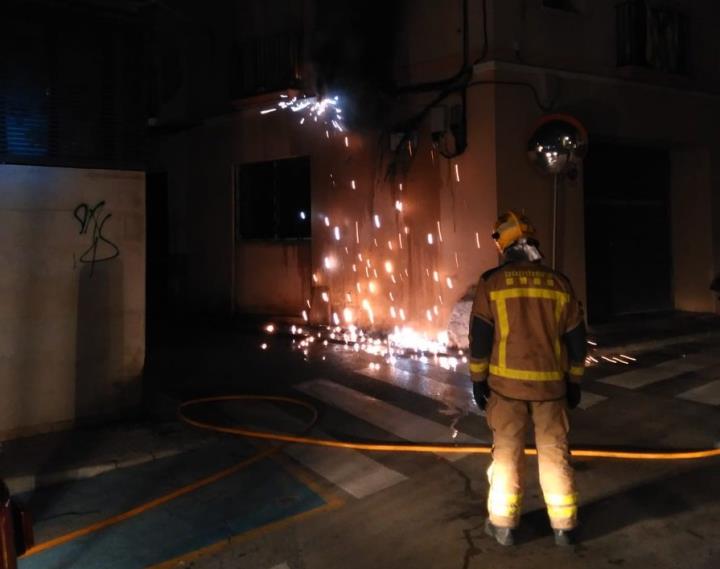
352,52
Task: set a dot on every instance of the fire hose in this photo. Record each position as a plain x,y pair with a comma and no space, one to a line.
302,438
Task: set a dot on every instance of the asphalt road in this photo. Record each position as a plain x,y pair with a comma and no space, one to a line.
317,508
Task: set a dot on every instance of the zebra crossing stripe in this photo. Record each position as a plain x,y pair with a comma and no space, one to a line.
590,399
709,394
638,378
454,397
399,422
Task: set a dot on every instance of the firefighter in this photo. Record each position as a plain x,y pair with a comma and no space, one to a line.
527,341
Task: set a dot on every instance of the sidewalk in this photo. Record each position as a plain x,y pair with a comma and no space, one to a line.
52,458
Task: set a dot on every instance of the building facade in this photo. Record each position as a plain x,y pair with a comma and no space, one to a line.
380,215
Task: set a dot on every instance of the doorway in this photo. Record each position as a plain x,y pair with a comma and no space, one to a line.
627,231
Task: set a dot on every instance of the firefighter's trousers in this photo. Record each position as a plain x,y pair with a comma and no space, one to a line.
509,420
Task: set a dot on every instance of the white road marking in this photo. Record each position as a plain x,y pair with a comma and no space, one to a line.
708,394
635,379
354,472
458,398
397,421
590,399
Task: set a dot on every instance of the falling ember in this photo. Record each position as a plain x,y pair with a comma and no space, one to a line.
302,215
400,240
327,134
307,301
402,314
390,245
376,219
305,315
440,300
267,111
436,277
263,346
358,287
353,185
393,313
388,267
354,268
347,142
439,232
457,172
407,230
428,314
330,263
436,311
336,318
347,315
302,120
327,221
357,234
325,297
477,239
392,278
372,287
398,205
337,233
315,278
270,328
457,260
390,294
430,238
449,282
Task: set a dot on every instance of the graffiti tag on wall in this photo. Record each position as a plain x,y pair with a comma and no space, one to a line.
92,222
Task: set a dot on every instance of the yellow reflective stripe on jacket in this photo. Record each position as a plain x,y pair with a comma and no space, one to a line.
526,375
577,370
561,506
478,367
500,297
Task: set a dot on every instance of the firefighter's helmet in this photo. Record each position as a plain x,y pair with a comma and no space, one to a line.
510,227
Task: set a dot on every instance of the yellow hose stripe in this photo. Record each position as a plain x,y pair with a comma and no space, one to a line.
279,437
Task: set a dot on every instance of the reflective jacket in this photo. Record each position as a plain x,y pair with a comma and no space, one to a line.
527,332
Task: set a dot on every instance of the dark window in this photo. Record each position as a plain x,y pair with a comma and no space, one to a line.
69,86
272,199
651,36
566,5
267,64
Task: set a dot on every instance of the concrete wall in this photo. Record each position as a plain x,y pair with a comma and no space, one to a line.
72,338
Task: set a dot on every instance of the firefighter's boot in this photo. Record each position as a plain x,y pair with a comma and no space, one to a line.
565,537
504,536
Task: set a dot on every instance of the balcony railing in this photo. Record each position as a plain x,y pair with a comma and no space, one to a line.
266,64
651,36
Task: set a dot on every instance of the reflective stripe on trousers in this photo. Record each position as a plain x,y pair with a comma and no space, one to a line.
509,420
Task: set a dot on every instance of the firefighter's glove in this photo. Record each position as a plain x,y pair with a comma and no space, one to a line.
481,393
573,394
